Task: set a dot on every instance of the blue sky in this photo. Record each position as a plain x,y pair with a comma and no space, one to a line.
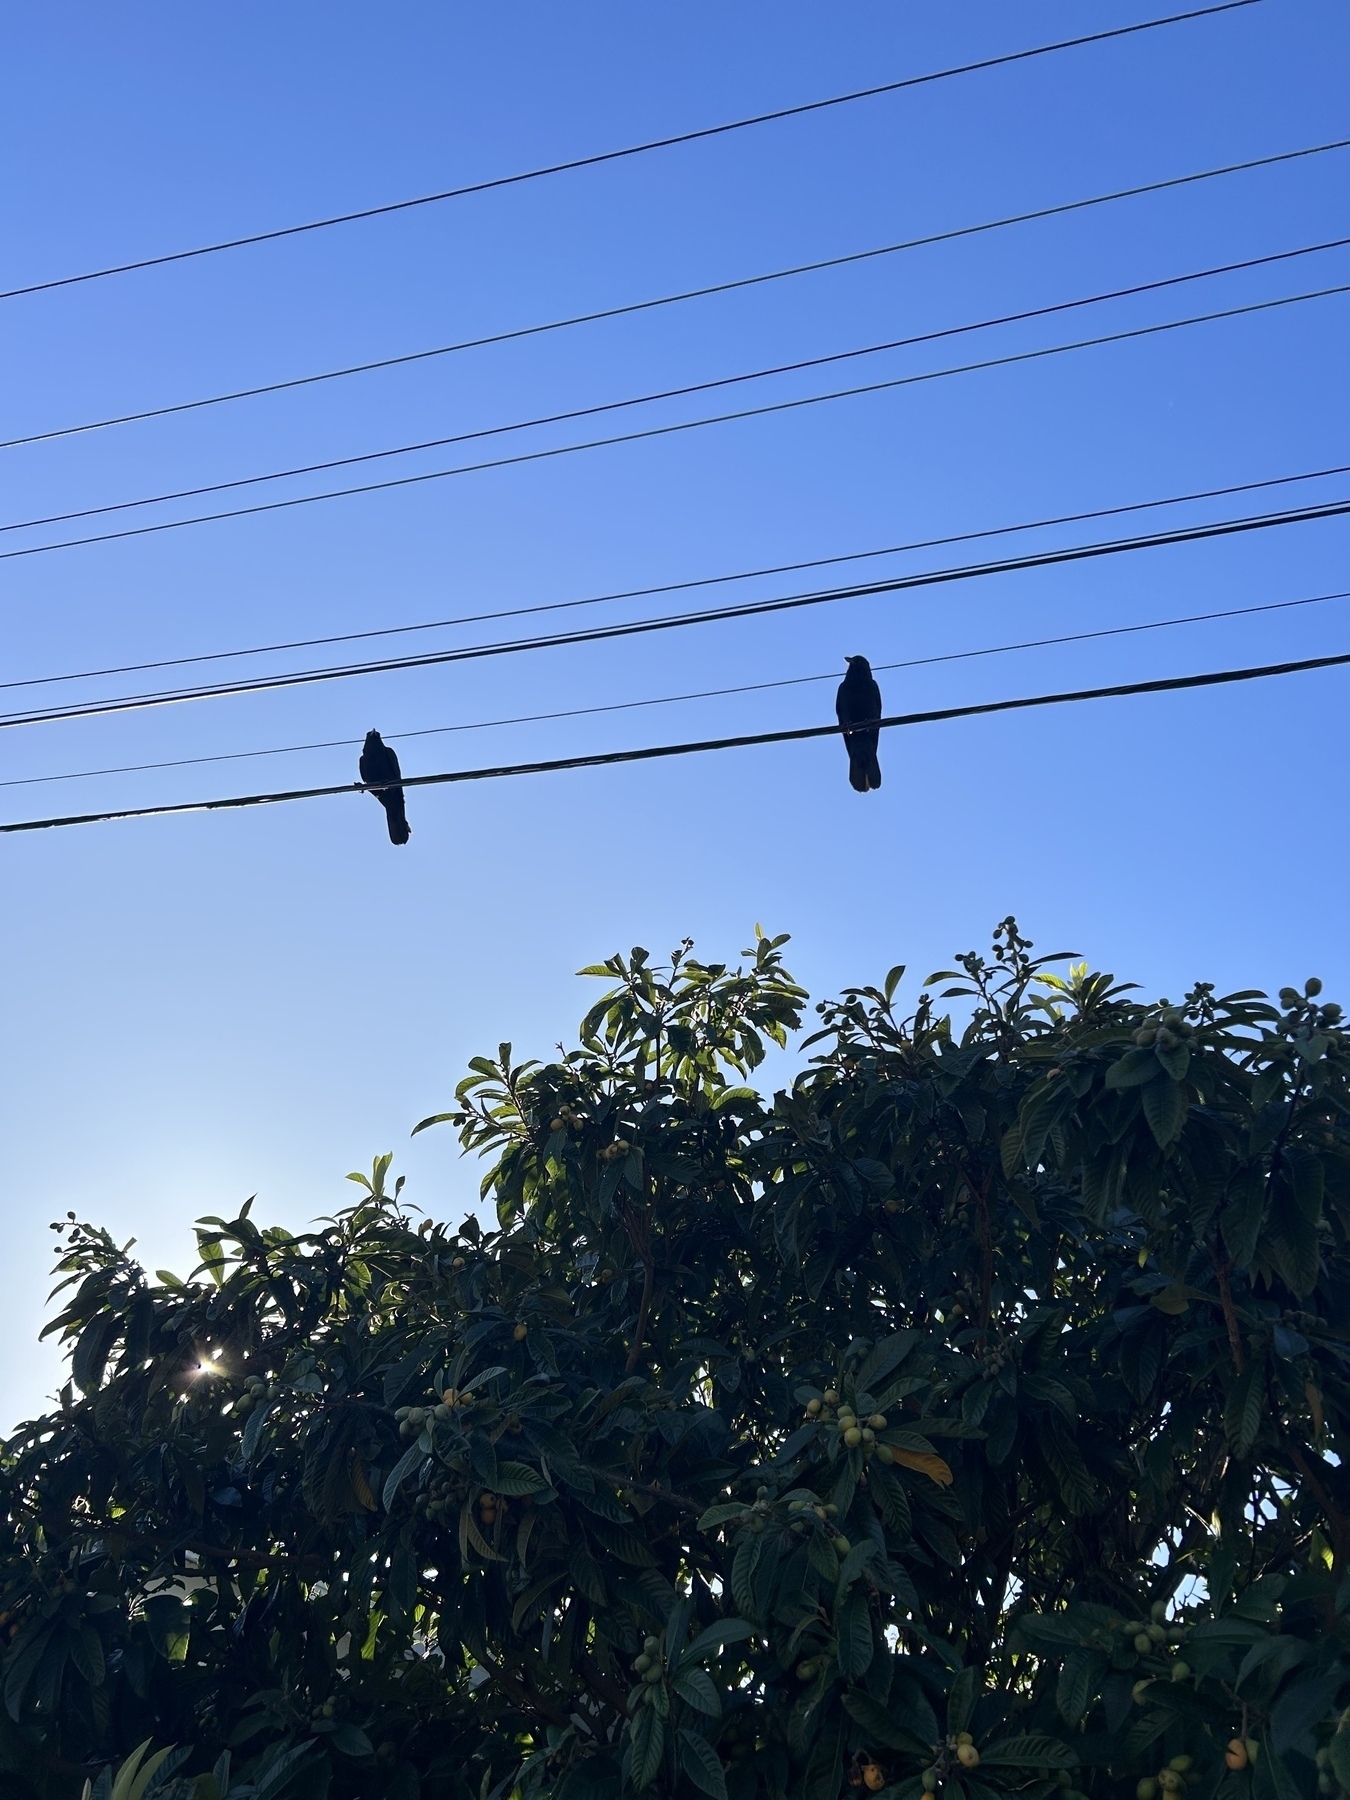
206,1007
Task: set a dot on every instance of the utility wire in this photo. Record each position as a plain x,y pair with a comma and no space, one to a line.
748,609
752,687
659,431
640,306
603,759
677,393
676,587
609,156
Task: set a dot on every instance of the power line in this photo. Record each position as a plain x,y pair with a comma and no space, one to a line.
609,156
603,759
659,431
640,306
753,687
677,393
748,609
675,587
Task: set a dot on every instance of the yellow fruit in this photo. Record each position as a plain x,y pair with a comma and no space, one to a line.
458,1263
831,1397
1235,1756
520,1333
813,1409
873,1777
1169,1781
964,1737
1147,1789
968,1756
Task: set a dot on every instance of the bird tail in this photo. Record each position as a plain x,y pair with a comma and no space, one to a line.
399,829
874,773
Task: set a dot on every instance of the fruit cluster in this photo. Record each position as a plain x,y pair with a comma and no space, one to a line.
255,1390
1153,1638
856,1433
647,1667
411,1419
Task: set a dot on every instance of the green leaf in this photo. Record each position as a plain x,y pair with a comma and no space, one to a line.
409,1460
961,1698
649,1744
1243,1408
853,1628
351,1741
882,1728
1165,1108
717,1515
702,1764
514,1478
1133,1069
713,1637
885,1356
1032,1752
696,1687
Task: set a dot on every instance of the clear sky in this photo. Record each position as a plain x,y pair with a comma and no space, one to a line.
201,1008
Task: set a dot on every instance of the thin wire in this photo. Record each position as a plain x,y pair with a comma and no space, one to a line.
640,306
670,621
659,431
753,687
603,759
608,156
675,393
674,587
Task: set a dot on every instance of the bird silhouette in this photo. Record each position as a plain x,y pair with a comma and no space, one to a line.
858,702
379,763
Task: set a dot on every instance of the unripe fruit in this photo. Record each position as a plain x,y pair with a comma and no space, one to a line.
877,1421
968,1756
555,1124
1252,1748
457,1263
885,1452
521,1332
1180,1763
1158,1633
1181,1671
1158,1611
853,1437
652,1674
929,1780
1147,1789
842,1545
1313,986
831,1397
641,1664
868,1435
813,1409
651,1645
806,1671
1143,1643
1139,1692
1169,1781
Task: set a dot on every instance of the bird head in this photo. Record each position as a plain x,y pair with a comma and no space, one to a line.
374,741
858,665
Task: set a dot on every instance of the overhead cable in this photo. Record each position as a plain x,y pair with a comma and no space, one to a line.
748,609
662,300
677,587
675,393
659,431
751,687
651,753
610,156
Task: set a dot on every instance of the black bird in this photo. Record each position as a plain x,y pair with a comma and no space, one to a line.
858,702
379,763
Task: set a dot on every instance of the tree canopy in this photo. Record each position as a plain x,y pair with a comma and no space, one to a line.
967,1418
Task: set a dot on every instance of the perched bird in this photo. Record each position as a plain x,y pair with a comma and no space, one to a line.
858,702
379,763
